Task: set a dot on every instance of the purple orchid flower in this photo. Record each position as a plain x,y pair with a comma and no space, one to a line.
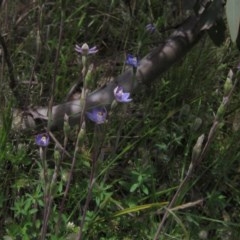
42,140
120,96
132,61
97,115
85,50
150,28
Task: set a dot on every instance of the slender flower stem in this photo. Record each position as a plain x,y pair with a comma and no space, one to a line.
84,50
48,202
72,165
83,102
45,177
95,154
68,184
49,195
89,194
62,203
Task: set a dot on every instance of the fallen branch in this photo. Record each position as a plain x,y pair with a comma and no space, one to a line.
150,67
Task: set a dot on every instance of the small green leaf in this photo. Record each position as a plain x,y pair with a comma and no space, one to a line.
134,187
145,189
233,17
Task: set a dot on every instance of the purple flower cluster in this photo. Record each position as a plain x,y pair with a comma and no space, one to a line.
99,114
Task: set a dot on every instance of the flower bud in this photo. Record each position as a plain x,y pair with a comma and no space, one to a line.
89,83
197,149
197,124
220,111
57,155
82,134
203,234
64,175
228,86
66,126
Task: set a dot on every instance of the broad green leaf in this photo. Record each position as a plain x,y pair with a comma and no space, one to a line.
233,17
